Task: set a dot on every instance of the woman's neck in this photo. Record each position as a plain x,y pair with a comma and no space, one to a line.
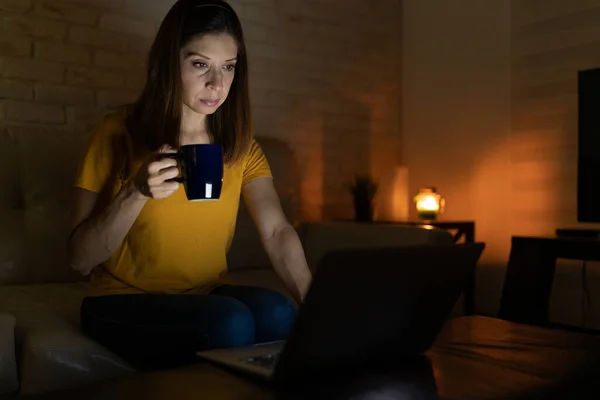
193,128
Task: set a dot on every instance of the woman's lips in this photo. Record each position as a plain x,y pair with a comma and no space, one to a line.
210,102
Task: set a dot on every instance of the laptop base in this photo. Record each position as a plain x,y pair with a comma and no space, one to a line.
247,359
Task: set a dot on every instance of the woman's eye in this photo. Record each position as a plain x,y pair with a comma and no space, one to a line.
229,67
199,64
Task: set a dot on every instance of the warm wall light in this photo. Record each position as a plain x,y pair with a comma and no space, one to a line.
429,203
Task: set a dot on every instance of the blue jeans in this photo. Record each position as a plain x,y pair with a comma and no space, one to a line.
161,330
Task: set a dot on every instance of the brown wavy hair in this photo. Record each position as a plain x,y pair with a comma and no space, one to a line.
155,118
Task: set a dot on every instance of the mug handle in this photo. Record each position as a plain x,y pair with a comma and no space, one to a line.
177,157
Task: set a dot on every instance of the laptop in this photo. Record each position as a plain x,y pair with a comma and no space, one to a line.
365,306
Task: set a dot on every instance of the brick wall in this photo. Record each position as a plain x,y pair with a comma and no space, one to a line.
494,87
456,122
324,78
552,40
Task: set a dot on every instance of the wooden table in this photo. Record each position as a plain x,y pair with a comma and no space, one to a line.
474,358
530,274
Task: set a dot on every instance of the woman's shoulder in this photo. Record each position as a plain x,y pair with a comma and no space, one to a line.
112,123
109,139
110,130
106,153
253,149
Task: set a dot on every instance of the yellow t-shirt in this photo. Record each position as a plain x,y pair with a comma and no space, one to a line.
174,246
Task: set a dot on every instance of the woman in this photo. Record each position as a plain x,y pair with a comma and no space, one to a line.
157,260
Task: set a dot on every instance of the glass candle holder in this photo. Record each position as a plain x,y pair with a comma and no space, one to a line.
429,204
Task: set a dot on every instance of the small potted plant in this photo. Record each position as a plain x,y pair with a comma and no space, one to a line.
363,190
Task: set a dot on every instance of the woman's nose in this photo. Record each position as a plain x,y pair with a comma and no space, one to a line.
215,81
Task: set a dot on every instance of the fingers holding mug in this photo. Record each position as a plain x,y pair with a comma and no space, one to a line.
157,166
157,178
166,149
164,190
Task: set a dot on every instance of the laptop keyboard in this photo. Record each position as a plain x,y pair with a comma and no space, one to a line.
264,360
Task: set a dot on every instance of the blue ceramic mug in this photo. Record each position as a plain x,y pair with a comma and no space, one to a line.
201,171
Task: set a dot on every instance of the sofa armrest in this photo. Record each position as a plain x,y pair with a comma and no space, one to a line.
319,238
8,364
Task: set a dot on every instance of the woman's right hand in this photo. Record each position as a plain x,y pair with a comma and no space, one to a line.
153,177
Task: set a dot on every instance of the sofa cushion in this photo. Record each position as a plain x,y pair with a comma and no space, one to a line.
320,237
10,195
11,203
36,205
58,356
53,354
37,170
8,364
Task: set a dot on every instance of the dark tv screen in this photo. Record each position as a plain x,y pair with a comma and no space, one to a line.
588,149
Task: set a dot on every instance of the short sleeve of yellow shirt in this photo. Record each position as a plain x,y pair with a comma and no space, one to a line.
103,159
255,165
174,246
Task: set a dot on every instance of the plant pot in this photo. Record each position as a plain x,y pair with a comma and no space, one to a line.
363,209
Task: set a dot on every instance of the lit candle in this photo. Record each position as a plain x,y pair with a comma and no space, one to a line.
429,204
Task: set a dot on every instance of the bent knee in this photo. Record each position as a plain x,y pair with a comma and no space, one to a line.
233,327
274,318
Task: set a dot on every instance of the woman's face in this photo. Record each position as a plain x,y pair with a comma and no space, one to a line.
207,71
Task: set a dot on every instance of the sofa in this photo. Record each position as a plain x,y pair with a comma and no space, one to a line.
41,346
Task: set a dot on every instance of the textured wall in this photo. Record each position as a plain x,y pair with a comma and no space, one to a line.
490,117
456,120
552,40
324,78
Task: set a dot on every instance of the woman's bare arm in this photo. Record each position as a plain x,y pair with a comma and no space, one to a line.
279,237
94,238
